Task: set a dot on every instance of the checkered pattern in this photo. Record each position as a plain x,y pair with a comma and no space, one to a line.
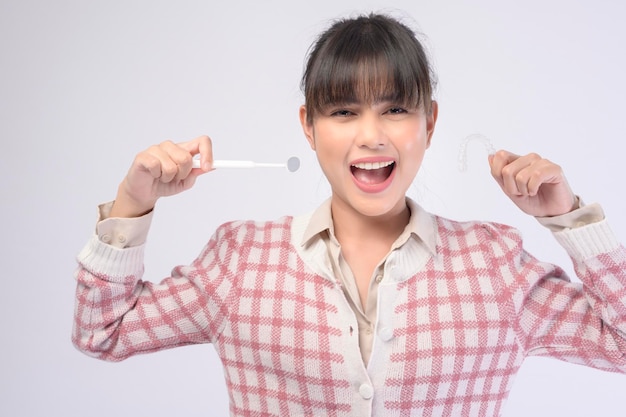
455,332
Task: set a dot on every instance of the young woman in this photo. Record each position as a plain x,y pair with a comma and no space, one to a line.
369,305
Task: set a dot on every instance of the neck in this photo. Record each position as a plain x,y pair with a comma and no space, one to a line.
351,225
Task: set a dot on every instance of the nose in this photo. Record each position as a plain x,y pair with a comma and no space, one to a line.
370,132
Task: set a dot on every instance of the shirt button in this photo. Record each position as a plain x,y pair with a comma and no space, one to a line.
368,330
105,238
386,334
121,239
379,278
366,391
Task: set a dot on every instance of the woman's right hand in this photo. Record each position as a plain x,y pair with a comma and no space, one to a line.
159,171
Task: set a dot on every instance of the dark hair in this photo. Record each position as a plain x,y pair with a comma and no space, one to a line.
367,58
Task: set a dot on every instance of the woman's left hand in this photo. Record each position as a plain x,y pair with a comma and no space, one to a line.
536,185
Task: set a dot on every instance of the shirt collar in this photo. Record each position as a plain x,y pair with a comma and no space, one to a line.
421,226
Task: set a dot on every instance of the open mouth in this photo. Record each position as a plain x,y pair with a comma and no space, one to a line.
372,173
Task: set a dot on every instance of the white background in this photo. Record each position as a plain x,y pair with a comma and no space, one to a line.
85,85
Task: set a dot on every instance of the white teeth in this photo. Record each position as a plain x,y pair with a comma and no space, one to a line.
372,165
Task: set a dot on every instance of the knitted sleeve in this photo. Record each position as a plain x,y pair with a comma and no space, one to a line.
117,314
583,324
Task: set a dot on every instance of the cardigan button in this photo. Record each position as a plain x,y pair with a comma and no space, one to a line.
386,334
366,391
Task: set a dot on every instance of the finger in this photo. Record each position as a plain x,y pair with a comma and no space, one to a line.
532,172
517,174
543,172
180,156
158,163
206,153
514,172
497,162
163,162
201,145
146,161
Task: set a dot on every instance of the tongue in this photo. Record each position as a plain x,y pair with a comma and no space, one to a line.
371,176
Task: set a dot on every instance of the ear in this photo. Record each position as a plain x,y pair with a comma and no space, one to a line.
431,120
307,127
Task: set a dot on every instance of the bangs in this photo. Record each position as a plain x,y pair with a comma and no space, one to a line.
369,80
367,61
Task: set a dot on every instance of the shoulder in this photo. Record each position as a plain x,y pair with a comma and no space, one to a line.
242,231
470,233
240,241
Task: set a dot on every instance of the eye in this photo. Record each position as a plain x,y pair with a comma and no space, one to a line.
341,113
396,110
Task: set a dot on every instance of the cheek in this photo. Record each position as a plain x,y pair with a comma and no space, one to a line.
330,141
413,146
413,141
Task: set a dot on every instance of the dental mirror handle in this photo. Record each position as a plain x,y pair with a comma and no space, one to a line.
292,164
222,163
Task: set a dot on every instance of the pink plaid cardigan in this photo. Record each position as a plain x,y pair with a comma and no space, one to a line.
452,329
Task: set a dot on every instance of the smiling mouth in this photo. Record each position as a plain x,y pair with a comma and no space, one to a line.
372,172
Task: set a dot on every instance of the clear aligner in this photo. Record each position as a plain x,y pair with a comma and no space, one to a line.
463,149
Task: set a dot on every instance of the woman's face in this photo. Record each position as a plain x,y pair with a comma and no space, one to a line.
370,153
